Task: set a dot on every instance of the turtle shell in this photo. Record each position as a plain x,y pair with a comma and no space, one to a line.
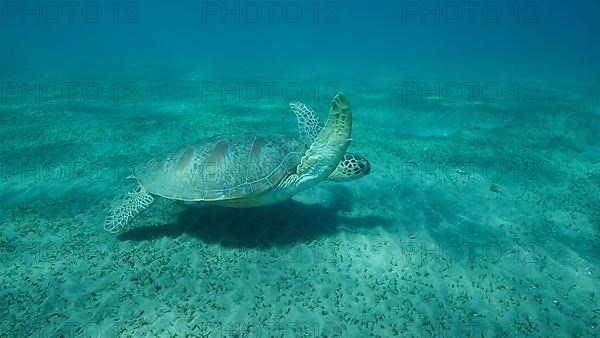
224,167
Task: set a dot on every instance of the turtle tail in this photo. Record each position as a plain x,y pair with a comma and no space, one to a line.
126,208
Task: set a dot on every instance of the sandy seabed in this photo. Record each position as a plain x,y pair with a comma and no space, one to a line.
479,218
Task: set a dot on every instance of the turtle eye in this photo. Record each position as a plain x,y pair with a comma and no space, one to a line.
365,167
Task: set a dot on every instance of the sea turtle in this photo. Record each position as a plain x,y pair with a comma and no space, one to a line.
249,169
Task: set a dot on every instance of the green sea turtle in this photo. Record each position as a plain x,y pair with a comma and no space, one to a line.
249,169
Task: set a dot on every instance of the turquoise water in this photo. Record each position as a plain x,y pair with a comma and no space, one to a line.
479,217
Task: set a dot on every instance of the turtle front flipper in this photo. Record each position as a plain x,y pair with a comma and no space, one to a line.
309,122
328,148
126,208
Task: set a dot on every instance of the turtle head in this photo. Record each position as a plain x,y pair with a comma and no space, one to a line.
351,167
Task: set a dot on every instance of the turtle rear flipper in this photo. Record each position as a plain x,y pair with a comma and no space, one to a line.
127,208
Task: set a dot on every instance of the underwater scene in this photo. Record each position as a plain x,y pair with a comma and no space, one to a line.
299,168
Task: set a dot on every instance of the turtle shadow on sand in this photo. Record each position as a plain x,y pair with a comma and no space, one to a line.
282,224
